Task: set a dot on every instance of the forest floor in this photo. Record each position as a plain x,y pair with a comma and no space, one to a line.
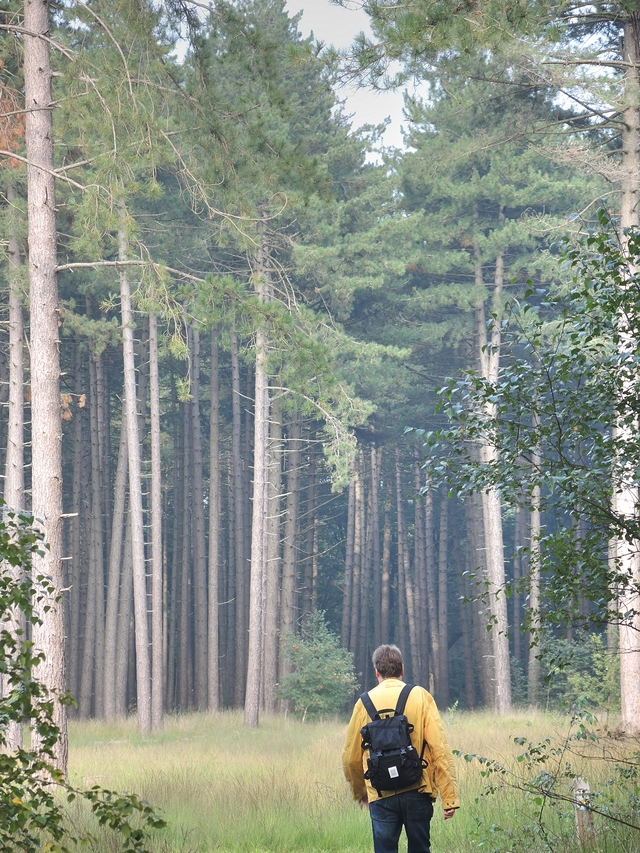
280,789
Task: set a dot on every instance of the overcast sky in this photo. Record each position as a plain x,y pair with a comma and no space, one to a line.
338,26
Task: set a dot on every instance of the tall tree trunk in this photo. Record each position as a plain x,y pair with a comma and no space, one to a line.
46,435
307,592
489,357
199,546
357,559
125,613
443,598
376,460
114,577
213,647
404,576
385,604
431,587
420,569
14,460
239,525
272,566
260,502
347,595
477,573
157,627
533,670
289,545
143,667
625,497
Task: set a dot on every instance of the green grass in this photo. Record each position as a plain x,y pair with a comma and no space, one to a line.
280,789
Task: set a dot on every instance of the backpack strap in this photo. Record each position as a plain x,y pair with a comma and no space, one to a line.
402,698
369,707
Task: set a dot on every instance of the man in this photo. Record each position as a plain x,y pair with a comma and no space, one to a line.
413,807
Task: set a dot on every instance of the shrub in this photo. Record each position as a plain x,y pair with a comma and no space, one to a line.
322,676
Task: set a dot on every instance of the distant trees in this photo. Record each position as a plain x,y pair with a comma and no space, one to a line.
250,315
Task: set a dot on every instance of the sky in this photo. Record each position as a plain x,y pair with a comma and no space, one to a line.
338,26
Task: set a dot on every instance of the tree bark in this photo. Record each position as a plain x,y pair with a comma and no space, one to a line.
625,498
213,647
443,598
239,525
272,565
260,503
157,627
114,577
143,668
46,434
199,546
14,461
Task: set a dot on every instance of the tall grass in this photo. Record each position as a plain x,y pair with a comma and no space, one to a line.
279,789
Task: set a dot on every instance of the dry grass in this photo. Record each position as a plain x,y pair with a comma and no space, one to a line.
280,788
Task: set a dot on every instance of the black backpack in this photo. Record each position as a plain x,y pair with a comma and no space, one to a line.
393,763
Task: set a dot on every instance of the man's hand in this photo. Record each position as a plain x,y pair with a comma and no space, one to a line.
449,813
363,802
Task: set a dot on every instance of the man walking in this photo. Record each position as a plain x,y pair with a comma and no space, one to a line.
411,807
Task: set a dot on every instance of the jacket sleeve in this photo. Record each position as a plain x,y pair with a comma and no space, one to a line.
440,757
352,754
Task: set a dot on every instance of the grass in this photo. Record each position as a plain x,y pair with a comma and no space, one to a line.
279,789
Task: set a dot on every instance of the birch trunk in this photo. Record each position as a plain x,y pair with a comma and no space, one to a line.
272,565
46,434
347,595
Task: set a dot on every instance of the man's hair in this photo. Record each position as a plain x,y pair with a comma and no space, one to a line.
388,661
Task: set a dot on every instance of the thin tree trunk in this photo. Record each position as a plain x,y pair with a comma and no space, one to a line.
347,595
420,567
431,587
124,621
291,525
260,504
625,497
143,667
213,644
239,518
404,576
376,460
385,604
443,598
114,577
307,594
46,435
357,559
14,461
157,582
489,357
199,547
272,566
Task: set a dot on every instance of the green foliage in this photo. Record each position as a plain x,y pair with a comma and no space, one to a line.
323,677
551,773
582,672
566,403
32,789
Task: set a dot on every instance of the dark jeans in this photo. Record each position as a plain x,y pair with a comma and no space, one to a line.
410,809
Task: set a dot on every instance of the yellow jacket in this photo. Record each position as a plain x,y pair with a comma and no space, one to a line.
421,711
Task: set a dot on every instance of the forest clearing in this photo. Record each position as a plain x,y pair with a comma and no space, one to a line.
280,788
273,394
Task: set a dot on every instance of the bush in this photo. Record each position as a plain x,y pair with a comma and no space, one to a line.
322,679
32,789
